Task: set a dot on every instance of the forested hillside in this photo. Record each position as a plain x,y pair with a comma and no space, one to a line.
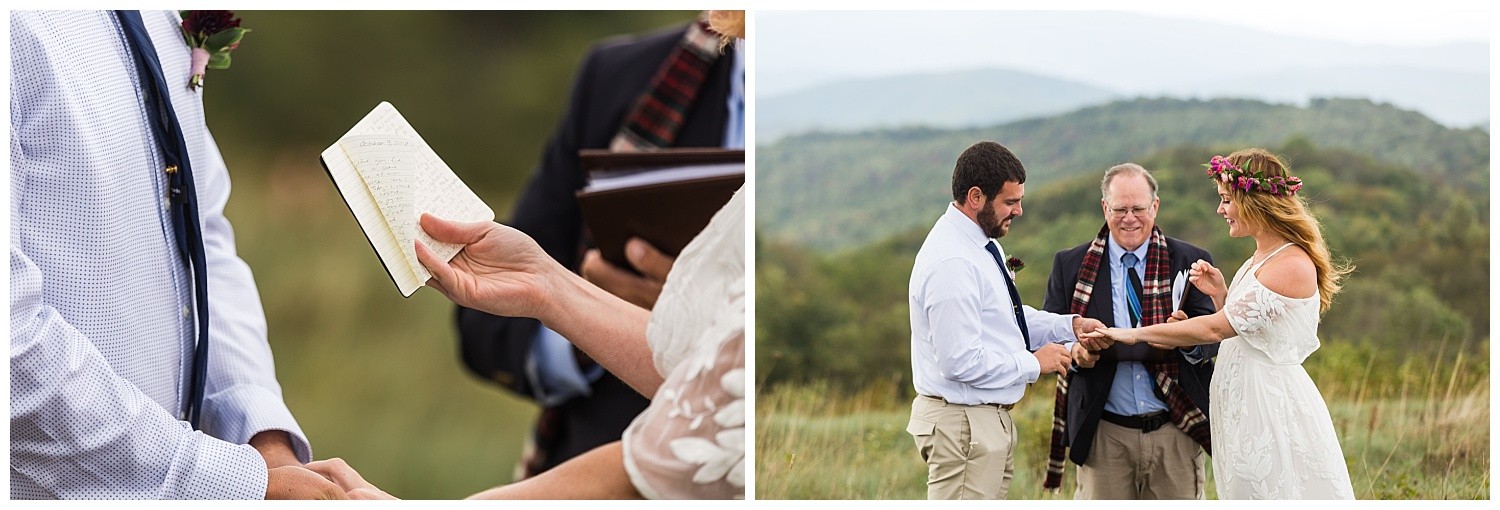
830,191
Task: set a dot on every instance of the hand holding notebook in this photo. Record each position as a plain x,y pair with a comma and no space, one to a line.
389,176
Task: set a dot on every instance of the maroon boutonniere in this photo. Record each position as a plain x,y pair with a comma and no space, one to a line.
212,35
1015,265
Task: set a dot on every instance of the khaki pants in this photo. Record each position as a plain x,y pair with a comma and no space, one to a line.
967,448
1126,463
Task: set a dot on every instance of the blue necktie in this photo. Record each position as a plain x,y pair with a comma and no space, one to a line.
184,199
1015,297
1133,290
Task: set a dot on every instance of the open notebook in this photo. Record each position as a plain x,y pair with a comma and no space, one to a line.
389,176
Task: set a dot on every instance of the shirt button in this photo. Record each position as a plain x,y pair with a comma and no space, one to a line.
186,312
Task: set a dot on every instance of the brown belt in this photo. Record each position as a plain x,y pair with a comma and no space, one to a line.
1006,407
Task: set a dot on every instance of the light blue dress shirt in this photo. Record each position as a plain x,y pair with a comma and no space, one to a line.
966,347
1134,390
552,367
734,127
101,323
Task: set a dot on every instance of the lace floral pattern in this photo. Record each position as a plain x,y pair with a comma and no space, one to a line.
1273,436
690,443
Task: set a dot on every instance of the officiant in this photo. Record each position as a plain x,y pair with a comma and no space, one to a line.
1133,418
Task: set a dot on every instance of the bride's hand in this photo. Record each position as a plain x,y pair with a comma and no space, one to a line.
1105,337
339,472
1208,279
501,270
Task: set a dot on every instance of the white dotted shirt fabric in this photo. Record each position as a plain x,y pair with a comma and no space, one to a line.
102,332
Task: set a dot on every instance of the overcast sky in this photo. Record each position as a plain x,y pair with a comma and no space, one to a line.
1136,51
1369,25
1425,22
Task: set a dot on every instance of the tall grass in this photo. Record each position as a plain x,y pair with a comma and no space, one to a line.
1410,428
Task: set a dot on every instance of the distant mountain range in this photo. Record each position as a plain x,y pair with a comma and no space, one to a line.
831,191
963,99
1452,97
985,97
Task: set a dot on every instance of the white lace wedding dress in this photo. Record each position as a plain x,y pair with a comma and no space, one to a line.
690,443
1273,437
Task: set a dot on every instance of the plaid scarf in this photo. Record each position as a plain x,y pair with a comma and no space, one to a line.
1156,304
660,112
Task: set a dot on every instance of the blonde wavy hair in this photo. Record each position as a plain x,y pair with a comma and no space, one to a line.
1288,217
729,24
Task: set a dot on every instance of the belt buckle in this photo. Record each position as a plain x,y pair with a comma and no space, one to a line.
1153,422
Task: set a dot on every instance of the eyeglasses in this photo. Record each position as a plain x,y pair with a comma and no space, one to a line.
1119,212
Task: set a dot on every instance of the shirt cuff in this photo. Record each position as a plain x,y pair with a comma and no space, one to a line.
244,410
554,372
1194,354
1065,329
1030,369
208,468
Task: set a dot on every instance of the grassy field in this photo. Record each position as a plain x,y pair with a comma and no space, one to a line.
1414,431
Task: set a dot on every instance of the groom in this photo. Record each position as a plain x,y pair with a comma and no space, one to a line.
1135,417
974,347
138,356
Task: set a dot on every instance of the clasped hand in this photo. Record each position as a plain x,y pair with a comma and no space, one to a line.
323,479
1103,337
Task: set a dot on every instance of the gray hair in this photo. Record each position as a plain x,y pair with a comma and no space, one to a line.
1128,169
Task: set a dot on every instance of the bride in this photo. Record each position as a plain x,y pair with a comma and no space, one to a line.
1273,437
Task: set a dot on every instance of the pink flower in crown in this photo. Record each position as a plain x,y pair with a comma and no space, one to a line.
211,35
1217,164
1236,178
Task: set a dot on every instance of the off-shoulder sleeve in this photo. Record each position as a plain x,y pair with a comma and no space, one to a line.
690,444
1265,321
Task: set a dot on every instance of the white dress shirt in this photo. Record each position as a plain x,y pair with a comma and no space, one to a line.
966,347
102,333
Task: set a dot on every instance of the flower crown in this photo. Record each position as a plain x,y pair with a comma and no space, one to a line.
1236,178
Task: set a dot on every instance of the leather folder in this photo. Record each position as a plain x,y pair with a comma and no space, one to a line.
665,197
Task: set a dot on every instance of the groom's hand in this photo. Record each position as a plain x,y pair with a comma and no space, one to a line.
1053,358
1083,325
1083,357
296,482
